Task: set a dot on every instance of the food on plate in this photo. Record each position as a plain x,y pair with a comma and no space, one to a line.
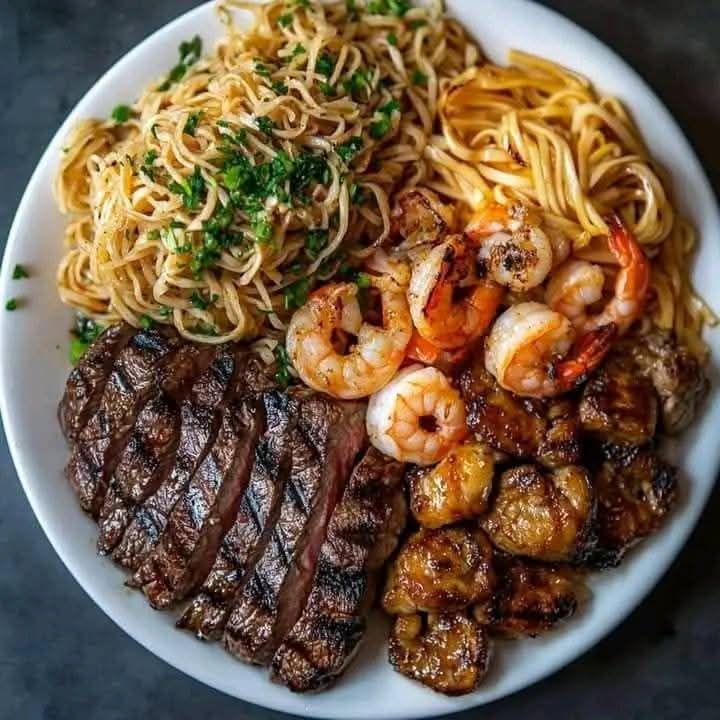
541,514
457,488
344,266
448,652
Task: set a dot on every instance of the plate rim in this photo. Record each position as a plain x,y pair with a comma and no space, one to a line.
290,704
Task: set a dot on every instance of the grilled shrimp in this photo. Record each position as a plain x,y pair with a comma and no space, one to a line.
532,352
448,652
440,571
458,488
417,417
449,304
578,284
419,217
332,313
541,515
516,253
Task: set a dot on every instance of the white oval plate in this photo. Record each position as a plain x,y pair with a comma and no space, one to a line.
34,366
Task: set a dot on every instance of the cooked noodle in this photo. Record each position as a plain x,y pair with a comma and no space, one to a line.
535,133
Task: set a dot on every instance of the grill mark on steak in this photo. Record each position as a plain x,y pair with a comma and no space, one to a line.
324,446
199,420
363,531
208,506
134,376
146,460
207,614
86,383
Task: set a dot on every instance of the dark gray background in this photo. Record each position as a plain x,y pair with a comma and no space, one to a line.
62,658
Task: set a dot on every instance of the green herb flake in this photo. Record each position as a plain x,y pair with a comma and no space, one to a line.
262,69
285,20
315,241
282,374
280,88
85,332
191,190
299,49
20,273
265,125
392,39
325,64
147,165
201,303
363,281
302,4
357,82
296,295
357,194
165,311
121,113
349,150
417,24
190,52
11,304
418,77
327,89
192,123
388,7
146,322
382,125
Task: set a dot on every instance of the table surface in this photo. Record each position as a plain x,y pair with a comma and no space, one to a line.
55,644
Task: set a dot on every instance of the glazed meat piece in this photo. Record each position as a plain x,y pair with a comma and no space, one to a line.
541,514
618,404
448,652
458,488
363,532
86,382
530,597
439,571
419,217
635,489
546,431
677,375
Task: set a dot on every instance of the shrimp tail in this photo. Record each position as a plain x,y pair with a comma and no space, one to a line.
422,350
631,257
586,355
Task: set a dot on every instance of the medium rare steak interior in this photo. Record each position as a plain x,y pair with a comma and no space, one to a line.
262,508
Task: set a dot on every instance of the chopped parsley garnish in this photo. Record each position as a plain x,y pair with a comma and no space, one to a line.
282,374
280,88
262,69
191,189
19,273
147,166
11,305
325,64
165,311
192,122
388,7
362,280
307,169
285,20
357,194
382,125
327,89
265,125
205,329
315,240
417,24
296,295
84,333
121,113
358,81
348,151
200,303
261,227
299,49
190,52
392,39
418,77
146,322
302,4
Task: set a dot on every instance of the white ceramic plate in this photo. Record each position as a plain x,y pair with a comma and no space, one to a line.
34,366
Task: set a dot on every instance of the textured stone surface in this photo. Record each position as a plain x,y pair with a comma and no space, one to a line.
660,664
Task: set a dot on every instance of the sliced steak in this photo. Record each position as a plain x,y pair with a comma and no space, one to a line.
363,531
146,460
86,383
249,534
324,446
207,507
134,377
200,416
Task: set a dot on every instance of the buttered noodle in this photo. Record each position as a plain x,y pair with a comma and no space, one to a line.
138,242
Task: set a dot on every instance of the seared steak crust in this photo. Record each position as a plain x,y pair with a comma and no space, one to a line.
86,382
134,377
199,420
323,447
362,533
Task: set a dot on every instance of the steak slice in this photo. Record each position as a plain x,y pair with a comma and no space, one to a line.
324,446
208,505
199,420
146,460
363,532
246,539
86,382
133,378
